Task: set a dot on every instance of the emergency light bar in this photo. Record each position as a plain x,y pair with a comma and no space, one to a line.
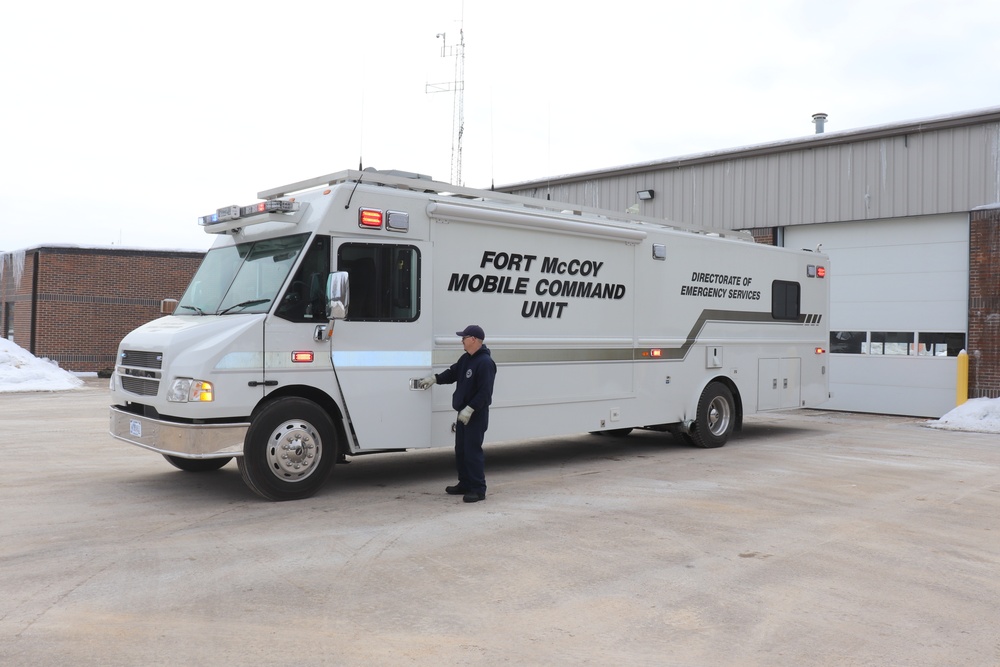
234,212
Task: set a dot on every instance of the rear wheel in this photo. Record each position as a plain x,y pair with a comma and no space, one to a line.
196,465
289,451
716,417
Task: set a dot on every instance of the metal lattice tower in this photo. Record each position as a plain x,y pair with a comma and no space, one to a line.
456,86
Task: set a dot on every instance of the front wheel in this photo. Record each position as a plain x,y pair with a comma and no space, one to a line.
289,451
716,417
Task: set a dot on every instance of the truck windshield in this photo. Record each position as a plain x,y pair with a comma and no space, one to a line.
243,278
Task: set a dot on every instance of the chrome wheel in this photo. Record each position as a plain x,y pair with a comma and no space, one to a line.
719,415
716,416
295,450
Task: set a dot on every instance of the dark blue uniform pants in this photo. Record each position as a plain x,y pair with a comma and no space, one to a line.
469,458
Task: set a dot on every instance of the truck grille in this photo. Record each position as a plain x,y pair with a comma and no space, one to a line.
138,359
140,386
140,371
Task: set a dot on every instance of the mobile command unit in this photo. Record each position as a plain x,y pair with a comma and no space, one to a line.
304,333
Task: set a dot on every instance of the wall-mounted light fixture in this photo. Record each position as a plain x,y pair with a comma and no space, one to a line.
645,194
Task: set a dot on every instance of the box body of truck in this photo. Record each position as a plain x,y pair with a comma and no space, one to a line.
301,337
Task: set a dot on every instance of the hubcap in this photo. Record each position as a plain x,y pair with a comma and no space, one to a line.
718,416
294,451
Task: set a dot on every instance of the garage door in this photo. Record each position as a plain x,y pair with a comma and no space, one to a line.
898,310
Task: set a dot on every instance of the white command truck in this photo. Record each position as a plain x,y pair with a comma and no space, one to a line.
301,339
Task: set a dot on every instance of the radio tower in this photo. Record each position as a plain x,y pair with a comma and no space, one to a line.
456,86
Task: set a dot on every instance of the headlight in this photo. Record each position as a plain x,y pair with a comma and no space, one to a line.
186,390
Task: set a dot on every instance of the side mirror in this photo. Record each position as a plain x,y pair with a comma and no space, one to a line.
338,295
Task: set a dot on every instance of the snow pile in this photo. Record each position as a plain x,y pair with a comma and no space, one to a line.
22,371
981,415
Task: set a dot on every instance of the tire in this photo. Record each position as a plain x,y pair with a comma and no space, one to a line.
289,451
716,417
686,439
196,465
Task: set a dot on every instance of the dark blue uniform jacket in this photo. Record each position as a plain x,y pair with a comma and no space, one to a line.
474,376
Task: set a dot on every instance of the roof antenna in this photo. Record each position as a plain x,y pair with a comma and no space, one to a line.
356,184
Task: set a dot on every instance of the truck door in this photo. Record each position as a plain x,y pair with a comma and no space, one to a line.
292,355
385,342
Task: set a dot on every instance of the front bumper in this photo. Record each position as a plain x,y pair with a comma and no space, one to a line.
186,441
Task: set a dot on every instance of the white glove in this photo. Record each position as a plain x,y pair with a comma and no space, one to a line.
465,414
427,382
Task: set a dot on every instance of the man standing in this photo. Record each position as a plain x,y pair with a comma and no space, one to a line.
473,375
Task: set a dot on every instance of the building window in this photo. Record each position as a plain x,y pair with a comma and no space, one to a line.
892,343
384,281
785,300
897,343
940,344
848,342
8,320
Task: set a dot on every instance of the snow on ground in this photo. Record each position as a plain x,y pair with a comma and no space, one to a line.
976,414
22,371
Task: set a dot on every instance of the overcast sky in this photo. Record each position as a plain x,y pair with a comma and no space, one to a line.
122,122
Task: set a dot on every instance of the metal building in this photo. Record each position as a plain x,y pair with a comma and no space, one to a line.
905,212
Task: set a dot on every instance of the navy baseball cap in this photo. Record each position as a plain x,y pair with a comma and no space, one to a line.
473,330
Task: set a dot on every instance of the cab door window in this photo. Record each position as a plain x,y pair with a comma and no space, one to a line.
304,300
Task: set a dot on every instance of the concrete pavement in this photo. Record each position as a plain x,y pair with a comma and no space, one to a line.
812,538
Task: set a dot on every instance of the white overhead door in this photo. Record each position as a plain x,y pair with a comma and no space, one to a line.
898,310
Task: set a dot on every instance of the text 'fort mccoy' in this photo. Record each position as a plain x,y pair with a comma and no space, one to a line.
558,281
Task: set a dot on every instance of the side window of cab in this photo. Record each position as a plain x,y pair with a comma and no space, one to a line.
304,299
384,281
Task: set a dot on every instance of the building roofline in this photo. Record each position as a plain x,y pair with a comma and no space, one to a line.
989,115
70,248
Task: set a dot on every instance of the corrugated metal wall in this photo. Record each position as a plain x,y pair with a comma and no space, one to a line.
910,169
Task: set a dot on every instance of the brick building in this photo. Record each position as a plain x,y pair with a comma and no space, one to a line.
74,304
984,302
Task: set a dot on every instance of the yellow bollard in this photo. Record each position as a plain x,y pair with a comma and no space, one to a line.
962,386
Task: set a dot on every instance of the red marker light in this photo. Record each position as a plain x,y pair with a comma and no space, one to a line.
370,217
300,357
820,350
821,272
656,353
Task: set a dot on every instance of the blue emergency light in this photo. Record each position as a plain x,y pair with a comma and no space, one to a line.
235,212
